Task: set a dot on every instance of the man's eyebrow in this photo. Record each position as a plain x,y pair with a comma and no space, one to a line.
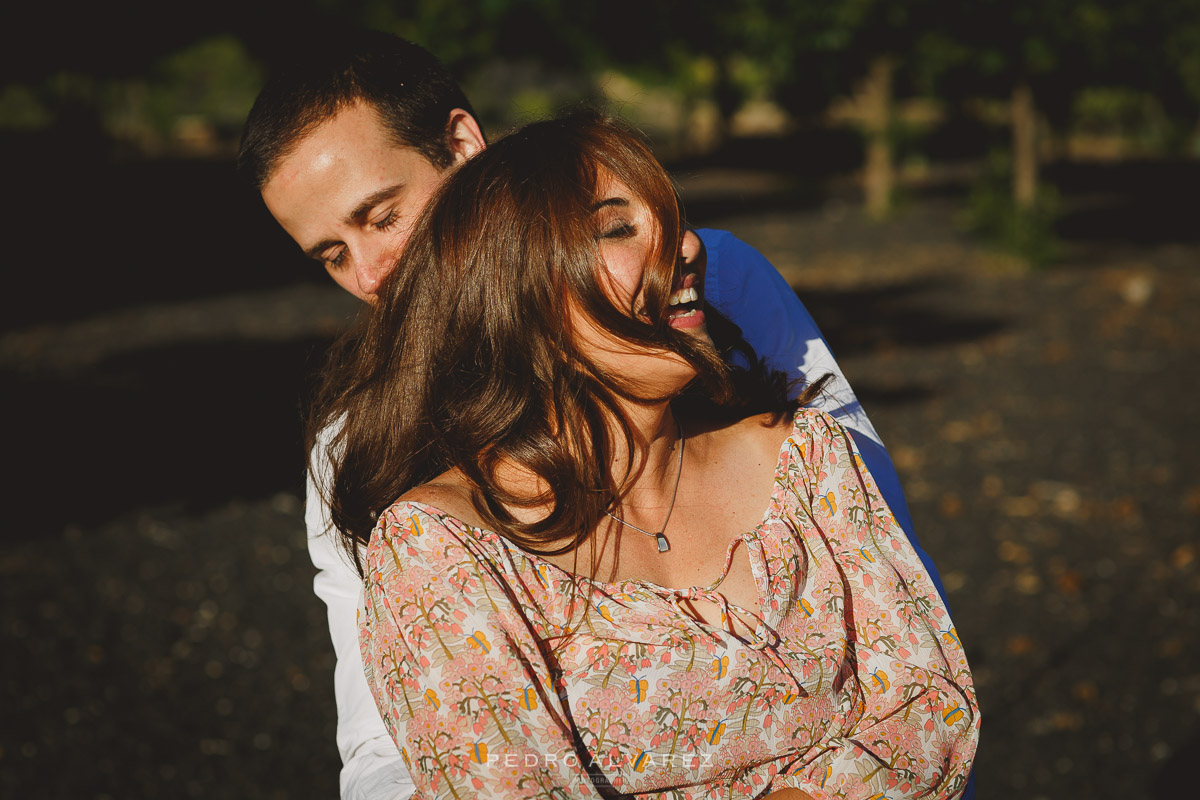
610,201
316,252
369,202
372,200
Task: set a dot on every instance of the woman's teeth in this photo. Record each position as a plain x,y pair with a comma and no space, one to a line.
687,295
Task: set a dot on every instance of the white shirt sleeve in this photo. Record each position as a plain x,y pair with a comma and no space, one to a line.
372,768
837,398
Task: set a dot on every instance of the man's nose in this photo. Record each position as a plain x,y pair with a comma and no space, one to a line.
372,269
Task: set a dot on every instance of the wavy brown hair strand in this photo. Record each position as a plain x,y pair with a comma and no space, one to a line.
469,360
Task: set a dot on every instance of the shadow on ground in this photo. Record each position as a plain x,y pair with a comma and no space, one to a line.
191,426
160,634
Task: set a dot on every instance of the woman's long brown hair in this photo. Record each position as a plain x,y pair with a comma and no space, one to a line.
468,359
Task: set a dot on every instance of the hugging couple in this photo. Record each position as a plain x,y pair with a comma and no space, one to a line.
594,511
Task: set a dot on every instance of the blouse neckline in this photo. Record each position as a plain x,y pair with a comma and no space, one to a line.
774,502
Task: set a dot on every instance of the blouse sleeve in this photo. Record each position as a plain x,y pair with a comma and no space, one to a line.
457,671
916,718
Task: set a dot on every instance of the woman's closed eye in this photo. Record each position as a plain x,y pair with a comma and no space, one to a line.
620,230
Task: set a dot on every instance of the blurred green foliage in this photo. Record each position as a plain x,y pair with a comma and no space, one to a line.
799,54
21,109
1137,119
992,214
214,78
193,99
1124,69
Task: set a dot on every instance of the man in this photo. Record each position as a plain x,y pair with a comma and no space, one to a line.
346,148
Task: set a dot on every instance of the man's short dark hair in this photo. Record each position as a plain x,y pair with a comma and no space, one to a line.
410,90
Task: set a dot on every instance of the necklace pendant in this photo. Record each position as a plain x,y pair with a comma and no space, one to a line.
663,544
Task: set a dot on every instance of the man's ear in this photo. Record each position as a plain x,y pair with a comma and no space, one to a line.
466,139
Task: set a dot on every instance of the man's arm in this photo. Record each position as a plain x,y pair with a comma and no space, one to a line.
371,765
743,285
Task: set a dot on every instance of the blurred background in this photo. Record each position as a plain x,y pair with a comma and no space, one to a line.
990,208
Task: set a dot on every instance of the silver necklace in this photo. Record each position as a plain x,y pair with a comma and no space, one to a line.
663,544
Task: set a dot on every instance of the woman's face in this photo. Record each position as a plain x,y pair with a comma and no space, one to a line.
628,233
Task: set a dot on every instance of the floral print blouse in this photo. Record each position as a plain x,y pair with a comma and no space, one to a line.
501,675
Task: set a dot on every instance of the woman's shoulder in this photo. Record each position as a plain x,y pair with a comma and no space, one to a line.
759,438
449,493
771,429
444,501
768,437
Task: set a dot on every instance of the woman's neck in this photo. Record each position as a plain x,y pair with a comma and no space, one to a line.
647,475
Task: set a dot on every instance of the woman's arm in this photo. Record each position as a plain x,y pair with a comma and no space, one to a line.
744,286
917,723
457,672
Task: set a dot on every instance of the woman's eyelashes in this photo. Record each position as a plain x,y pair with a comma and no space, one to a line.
619,230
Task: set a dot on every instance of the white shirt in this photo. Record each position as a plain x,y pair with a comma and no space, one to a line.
371,765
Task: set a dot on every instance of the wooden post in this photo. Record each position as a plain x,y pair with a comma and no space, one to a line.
878,173
1024,145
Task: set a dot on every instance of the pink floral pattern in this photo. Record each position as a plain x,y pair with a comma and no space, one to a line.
501,675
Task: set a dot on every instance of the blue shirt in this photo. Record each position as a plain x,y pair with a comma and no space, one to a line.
741,284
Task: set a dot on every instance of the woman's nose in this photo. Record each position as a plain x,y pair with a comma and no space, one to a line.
691,250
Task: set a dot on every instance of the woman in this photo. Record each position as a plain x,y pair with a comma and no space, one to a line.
611,577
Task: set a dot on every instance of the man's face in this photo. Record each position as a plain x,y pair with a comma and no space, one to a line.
349,196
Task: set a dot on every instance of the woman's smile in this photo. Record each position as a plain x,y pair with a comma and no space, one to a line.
685,306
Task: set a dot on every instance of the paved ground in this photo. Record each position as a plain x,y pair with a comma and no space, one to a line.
160,638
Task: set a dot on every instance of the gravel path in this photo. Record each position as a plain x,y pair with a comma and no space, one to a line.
161,640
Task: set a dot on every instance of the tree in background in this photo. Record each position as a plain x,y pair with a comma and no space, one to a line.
1039,57
813,51
1034,56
